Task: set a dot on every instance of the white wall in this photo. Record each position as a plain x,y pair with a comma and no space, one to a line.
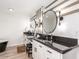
69,26
12,27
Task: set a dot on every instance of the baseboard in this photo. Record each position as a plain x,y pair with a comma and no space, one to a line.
14,45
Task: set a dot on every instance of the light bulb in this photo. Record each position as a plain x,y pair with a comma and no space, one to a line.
11,10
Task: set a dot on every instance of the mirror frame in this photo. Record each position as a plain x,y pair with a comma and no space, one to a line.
55,25
33,20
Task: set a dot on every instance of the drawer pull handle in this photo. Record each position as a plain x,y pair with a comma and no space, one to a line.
49,51
40,46
35,49
47,58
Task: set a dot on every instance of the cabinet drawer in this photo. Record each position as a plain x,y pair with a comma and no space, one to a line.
52,54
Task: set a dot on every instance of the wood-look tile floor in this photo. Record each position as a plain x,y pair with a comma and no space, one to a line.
12,54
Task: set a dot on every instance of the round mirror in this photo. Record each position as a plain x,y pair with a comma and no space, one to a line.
32,25
49,21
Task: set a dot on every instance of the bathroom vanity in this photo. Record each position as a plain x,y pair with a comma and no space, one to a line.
28,36
41,51
44,50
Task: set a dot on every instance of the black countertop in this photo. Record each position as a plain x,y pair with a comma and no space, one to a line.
56,49
71,43
28,33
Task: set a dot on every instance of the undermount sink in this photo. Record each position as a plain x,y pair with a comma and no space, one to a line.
56,45
59,46
30,36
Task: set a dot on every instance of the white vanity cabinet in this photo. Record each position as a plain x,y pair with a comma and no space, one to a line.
41,51
38,50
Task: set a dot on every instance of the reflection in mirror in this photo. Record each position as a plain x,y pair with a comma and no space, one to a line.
49,22
38,20
32,25
39,17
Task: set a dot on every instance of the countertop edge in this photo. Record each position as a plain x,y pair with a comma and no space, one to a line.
58,50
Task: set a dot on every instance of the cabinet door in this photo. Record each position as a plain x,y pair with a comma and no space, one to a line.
34,50
41,51
34,53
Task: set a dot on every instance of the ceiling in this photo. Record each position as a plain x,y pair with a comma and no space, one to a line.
22,7
29,7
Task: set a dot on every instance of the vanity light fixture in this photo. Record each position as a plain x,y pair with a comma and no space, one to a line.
60,20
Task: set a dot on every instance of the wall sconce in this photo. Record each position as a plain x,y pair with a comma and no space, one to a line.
60,18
